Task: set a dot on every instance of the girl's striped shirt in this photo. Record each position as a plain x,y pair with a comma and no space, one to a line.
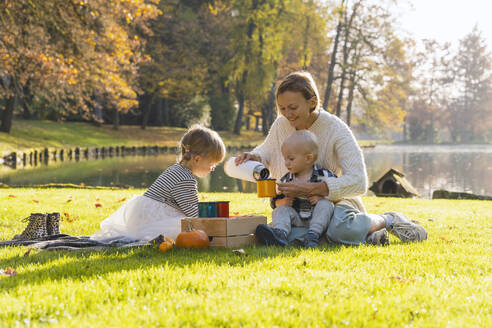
176,187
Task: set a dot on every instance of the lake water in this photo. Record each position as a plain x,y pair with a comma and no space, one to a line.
455,168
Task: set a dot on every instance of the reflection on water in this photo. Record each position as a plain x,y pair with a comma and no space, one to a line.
454,168
427,168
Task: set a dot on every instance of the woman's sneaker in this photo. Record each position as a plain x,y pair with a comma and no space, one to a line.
379,238
53,223
36,228
270,236
405,229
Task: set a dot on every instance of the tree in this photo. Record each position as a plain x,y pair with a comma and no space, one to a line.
370,70
432,91
71,52
334,52
473,82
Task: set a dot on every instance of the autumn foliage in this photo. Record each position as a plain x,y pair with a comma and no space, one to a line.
71,53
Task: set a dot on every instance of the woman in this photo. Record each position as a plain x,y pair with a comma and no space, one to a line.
298,104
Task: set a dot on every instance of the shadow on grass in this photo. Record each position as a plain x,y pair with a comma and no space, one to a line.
89,263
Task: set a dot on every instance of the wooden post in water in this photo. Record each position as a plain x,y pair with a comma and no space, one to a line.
46,156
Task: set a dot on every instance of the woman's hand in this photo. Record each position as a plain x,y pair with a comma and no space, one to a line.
286,201
244,157
303,189
313,200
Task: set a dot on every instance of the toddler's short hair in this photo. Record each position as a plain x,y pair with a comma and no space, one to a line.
305,141
199,140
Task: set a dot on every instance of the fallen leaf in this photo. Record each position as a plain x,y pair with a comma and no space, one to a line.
28,252
445,239
432,219
98,205
12,196
86,267
35,201
122,200
82,184
69,218
69,200
202,197
9,272
400,279
416,222
235,213
97,199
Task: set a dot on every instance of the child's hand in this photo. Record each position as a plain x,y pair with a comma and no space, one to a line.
313,200
287,201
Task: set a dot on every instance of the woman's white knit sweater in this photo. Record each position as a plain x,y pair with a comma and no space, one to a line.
338,152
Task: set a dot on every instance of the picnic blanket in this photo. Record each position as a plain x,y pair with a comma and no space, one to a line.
68,242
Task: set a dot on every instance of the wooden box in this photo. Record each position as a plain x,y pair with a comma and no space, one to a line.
230,232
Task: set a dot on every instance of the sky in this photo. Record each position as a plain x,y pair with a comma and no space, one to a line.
446,20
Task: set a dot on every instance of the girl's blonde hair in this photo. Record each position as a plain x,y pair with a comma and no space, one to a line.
302,82
199,140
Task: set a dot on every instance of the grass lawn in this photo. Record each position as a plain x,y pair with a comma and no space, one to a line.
26,134
442,282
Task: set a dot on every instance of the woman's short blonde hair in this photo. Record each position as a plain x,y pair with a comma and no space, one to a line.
302,82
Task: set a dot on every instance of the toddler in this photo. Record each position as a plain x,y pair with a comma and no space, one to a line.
170,198
300,151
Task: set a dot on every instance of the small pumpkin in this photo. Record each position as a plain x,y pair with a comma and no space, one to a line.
193,238
165,246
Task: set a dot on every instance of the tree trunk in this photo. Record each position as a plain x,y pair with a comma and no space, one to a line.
346,51
98,111
240,112
116,119
331,69
8,115
340,95
350,97
159,117
241,86
147,109
26,101
268,110
165,112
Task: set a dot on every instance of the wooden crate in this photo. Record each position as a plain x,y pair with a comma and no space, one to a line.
230,232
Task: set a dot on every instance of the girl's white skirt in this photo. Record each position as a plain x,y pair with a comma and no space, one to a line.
141,218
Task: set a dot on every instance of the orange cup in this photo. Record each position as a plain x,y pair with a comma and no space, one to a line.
266,188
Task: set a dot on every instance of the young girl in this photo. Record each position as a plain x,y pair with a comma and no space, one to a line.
172,197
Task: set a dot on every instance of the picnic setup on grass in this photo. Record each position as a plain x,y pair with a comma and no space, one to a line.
214,226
